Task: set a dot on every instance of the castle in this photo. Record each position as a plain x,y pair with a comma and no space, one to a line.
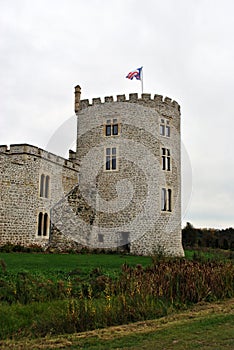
120,190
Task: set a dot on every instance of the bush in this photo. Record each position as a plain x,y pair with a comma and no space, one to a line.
18,248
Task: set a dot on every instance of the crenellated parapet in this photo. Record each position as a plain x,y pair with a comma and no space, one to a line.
157,101
29,150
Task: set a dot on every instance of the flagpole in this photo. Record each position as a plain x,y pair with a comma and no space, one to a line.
142,80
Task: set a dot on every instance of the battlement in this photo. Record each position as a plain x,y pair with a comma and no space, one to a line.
144,99
25,149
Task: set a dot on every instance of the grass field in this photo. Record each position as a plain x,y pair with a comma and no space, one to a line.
55,294
62,265
205,327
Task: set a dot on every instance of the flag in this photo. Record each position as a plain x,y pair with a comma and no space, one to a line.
135,74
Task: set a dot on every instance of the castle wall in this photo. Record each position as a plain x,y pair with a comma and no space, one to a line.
126,201
129,191
21,201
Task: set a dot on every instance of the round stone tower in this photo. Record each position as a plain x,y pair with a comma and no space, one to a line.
130,173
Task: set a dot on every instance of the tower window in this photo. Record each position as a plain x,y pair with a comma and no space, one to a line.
111,158
166,159
166,199
43,225
164,127
44,186
111,127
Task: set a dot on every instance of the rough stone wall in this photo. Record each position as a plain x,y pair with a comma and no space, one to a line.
109,209
128,201
21,167
71,217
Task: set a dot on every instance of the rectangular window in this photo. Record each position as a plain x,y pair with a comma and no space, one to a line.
108,130
115,128
166,199
166,159
164,127
168,129
112,127
100,238
111,158
163,199
169,199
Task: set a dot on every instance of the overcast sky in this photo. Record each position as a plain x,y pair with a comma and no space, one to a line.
185,46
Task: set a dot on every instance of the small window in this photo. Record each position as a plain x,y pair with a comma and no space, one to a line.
47,183
111,158
108,130
166,199
111,127
166,159
43,225
164,127
168,130
100,238
40,221
115,128
44,186
169,199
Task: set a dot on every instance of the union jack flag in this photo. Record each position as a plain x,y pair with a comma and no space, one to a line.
135,74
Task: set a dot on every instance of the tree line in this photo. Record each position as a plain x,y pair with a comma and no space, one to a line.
207,237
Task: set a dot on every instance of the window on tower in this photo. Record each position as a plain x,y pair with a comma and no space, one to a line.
164,127
166,159
111,158
166,199
112,127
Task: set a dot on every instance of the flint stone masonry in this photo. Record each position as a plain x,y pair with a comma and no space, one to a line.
89,206
121,209
21,168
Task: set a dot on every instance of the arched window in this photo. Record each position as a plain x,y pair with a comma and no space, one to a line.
43,226
40,222
44,186
47,184
42,183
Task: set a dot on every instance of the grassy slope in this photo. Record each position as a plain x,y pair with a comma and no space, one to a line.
205,326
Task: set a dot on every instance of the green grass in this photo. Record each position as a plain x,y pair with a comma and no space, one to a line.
205,254
59,265
205,327
45,294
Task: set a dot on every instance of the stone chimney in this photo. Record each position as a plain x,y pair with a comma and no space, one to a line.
77,98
